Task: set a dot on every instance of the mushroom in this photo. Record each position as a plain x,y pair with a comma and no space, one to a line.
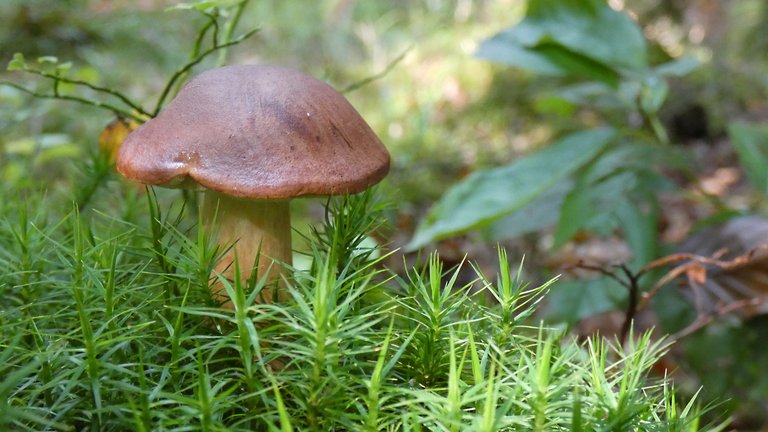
254,137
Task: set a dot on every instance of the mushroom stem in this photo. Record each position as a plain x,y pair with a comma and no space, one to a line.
253,226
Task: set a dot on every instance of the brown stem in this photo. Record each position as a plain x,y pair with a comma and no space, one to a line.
634,294
255,229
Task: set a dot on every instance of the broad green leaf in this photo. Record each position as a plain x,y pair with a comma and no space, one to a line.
589,202
17,63
637,219
650,88
541,213
678,67
572,301
577,64
672,309
592,28
751,143
653,94
584,38
617,179
600,95
504,48
546,58
549,104
487,195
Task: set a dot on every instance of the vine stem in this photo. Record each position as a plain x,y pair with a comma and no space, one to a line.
118,111
212,24
230,30
60,79
356,85
181,71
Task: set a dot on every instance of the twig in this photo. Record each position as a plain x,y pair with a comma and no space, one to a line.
630,281
704,319
78,99
59,79
212,23
230,30
694,264
181,71
356,85
602,270
669,277
694,261
712,260
634,293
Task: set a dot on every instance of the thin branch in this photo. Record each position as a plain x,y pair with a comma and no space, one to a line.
214,20
669,277
714,260
693,261
632,303
630,281
356,85
212,23
651,122
602,270
181,71
704,319
691,266
118,111
230,30
59,79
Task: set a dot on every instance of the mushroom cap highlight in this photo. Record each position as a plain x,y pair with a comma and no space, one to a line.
258,132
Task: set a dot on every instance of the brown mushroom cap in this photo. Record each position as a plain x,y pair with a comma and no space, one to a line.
256,131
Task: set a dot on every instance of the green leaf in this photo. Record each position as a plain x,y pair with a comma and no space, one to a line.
546,58
200,6
653,94
585,38
17,63
574,63
572,301
651,89
551,104
63,67
751,144
600,95
204,5
542,212
673,310
610,192
637,219
590,202
487,195
678,67
48,59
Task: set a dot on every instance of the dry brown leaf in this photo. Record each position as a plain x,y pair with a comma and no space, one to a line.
114,134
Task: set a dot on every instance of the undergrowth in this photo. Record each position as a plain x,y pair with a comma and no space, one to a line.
107,324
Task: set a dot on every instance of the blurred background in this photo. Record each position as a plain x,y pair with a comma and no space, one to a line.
446,113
